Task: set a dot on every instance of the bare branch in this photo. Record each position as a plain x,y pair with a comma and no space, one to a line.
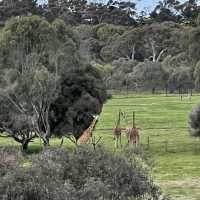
152,42
160,55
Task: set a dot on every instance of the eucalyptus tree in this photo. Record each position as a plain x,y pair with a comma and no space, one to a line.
29,91
43,77
17,8
190,43
180,79
196,75
144,41
149,75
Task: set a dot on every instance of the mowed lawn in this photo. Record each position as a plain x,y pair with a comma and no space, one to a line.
163,122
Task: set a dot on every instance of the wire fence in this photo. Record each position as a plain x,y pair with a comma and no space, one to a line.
148,128
121,94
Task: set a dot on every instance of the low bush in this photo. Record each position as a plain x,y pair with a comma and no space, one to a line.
85,174
194,121
10,159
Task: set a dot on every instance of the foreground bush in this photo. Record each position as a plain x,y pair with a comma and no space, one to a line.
81,174
194,121
10,159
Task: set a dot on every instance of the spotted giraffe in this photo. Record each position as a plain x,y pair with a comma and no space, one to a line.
117,131
117,135
133,136
87,134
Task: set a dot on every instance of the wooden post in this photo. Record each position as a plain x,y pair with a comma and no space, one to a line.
133,119
166,146
127,87
166,91
148,142
181,91
119,116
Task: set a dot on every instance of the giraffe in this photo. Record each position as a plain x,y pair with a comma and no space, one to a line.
133,136
117,135
87,134
117,131
132,133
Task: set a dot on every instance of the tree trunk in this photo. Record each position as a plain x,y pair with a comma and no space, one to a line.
24,146
133,53
153,50
166,91
46,135
46,140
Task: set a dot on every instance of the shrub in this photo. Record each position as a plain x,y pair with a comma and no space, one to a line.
194,121
81,174
9,159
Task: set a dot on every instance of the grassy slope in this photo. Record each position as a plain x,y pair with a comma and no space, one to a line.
162,119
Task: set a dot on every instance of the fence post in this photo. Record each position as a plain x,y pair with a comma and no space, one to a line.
148,142
119,116
133,119
166,146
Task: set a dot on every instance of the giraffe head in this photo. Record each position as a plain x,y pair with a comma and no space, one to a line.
96,117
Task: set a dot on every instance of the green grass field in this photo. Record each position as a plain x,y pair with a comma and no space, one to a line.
163,120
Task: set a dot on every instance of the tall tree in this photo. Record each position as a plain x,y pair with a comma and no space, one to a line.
29,90
9,8
166,11
189,10
45,80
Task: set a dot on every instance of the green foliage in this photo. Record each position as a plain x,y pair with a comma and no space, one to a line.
190,41
82,94
17,8
85,31
165,36
197,76
180,79
106,31
38,59
150,75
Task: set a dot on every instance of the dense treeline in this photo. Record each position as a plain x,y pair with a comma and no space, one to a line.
115,12
153,56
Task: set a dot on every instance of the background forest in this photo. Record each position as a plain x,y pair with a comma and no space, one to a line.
146,50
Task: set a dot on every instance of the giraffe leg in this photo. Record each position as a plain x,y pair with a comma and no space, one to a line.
127,143
138,140
120,140
133,143
127,137
116,142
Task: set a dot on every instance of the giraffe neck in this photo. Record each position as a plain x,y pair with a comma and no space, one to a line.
87,133
91,127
